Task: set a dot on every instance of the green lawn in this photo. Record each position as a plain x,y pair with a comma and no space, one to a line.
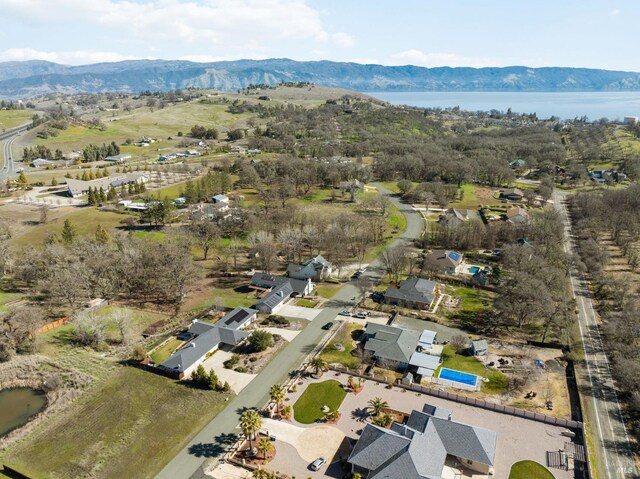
132,418
471,299
327,290
306,303
163,353
229,297
13,118
529,470
331,355
308,408
498,382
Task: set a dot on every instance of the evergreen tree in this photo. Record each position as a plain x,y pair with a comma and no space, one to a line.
111,194
91,197
102,196
22,179
54,182
92,175
85,176
68,232
102,236
131,188
68,175
214,382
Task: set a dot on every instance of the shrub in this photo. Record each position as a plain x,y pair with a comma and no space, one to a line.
260,340
241,369
232,361
138,353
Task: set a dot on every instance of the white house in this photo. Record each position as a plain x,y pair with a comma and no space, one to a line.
118,158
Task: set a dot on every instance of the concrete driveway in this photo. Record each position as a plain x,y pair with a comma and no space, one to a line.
299,312
237,381
287,334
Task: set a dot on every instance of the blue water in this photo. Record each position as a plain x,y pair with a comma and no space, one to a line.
594,105
458,376
474,270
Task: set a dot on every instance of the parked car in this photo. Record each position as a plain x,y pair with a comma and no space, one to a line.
362,270
345,313
328,326
360,315
318,463
377,296
356,275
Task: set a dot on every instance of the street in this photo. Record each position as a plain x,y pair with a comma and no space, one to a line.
7,138
215,438
602,411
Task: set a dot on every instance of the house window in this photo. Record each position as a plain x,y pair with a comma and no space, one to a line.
469,462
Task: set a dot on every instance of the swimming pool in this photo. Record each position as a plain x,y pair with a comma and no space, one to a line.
474,270
458,377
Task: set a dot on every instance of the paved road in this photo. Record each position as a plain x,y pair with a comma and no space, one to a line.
603,415
6,139
220,433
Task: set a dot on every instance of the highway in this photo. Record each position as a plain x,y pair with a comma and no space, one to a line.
600,396
216,437
7,138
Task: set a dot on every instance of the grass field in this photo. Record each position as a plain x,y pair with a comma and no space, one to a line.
135,419
529,470
84,220
308,408
13,118
162,353
306,303
331,355
471,299
327,290
498,382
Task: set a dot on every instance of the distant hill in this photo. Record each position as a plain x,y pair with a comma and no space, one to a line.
31,78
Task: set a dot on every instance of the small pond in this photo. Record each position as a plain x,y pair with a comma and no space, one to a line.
18,406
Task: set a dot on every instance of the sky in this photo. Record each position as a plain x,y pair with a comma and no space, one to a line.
473,33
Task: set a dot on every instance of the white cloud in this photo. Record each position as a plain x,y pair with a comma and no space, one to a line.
79,57
220,22
342,40
420,58
615,12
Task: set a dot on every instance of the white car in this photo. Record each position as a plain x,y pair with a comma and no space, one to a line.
345,313
318,463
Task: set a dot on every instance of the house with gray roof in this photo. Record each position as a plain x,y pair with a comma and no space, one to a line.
455,217
274,300
518,215
207,338
443,261
316,269
429,446
265,281
415,293
479,347
391,345
512,194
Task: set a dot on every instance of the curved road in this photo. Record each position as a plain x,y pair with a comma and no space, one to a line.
217,436
7,138
602,409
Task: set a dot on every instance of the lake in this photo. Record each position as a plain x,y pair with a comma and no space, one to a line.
18,406
566,105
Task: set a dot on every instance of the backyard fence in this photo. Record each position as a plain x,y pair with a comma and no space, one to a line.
471,401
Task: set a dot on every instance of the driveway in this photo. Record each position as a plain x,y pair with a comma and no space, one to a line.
288,334
309,442
237,381
299,312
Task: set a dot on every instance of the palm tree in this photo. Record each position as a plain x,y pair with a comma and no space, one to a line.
264,446
383,420
376,405
277,394
318,365
250,423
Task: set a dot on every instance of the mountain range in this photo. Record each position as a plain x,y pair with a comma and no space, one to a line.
32,78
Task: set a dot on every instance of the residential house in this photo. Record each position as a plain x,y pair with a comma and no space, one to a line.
519,163
118,158
316,269
275,299
443,261
428,355
390,345
210,211
429,446
207,338
265,281
42,163
455,216
512,194
220,199
518,215
254,151
78,188
479,347
416,293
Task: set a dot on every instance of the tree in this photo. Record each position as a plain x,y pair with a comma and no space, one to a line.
22,179
213,381
260,340
263,474
377,405
205,233
459,342
264,446
102,236
200,377
395,261
68,234
277,394
383,420
44,213
250,423
318,365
